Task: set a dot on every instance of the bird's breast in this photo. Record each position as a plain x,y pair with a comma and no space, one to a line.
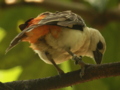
55,41
67,38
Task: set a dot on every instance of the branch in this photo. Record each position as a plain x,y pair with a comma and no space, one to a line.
92,72
90,15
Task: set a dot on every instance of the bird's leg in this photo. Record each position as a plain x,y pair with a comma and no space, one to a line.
78,60
60,72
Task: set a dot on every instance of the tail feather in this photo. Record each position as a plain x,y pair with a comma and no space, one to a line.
21,35
14,42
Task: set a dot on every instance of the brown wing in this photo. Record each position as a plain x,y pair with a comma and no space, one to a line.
28,25
63,19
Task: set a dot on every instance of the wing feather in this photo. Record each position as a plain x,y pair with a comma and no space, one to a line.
64,19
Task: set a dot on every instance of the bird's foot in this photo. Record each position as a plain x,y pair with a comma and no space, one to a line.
78,60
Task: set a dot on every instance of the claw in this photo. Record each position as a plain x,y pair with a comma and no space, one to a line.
82,71
78,60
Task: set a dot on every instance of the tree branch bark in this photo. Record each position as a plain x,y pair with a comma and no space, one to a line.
92,72
95,18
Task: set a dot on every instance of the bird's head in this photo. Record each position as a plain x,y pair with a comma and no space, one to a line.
97,45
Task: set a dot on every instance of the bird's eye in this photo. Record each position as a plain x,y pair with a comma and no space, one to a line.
100,45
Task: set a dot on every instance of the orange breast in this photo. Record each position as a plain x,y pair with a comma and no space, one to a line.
33,35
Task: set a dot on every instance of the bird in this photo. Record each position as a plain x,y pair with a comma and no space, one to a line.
60,36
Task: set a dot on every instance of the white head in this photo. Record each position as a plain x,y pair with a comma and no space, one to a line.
97,45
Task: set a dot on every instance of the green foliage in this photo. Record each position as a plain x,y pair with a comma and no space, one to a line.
13,74
99,5
112,3
32,67
2,34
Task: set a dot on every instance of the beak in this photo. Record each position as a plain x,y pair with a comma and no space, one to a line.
97,56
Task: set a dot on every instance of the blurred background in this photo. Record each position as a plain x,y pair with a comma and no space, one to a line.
21,63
